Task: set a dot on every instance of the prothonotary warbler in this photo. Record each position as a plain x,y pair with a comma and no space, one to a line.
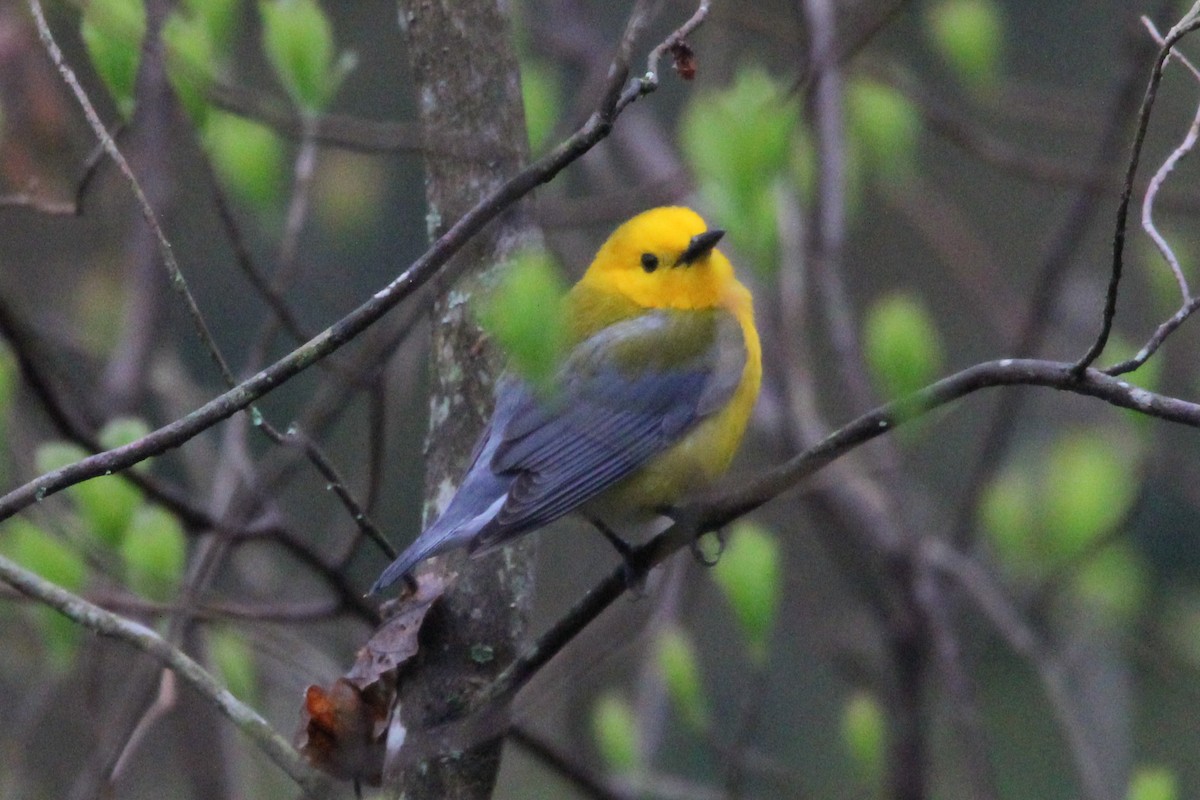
649,405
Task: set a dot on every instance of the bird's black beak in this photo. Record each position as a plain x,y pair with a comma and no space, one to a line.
700,246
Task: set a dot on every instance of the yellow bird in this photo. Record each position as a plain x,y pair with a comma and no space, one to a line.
649,405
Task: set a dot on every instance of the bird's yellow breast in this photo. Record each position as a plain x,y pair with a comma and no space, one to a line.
705,452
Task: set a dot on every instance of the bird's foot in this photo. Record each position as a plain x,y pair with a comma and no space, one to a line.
635,582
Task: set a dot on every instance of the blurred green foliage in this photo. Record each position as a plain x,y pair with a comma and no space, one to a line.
524,314
680,670
738,142
247,156
969,37
112,32
105,503
1153,783
888,127
750,574
233,658
901,344
153,552
543,96
1055,509
298,40
864,732
615,731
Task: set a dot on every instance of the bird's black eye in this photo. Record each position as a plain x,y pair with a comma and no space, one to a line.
649,262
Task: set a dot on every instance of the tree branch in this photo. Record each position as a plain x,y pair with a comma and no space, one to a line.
105,623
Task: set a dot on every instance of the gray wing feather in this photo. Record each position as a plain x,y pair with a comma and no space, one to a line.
605,423
541,458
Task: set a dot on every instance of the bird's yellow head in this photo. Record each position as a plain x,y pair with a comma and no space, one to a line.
664,258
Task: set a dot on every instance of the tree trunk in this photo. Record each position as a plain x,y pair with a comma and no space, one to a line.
469,96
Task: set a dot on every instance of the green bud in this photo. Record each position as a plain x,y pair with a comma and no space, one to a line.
887,125
219,19
299,44
192,63
106,503
681,674
615,730
543,101
1086,491
738,143
40,552
247,156
154,550
750,573
524,314
902,346
112,32
864,731
969,36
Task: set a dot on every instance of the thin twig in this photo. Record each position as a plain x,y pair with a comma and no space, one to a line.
991,600
596,128
105,623
1190,303
1185,147
167,253
1186,25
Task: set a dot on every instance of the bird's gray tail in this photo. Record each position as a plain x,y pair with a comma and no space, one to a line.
429,543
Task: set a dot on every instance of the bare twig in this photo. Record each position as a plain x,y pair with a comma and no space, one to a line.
166,252
1185,147
105,623
990,599
1190,303
1186,25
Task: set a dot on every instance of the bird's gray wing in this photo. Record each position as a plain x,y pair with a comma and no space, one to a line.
626,394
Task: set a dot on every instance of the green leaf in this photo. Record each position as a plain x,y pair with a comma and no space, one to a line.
681,674
902,346
542,94
738,144
106,503
40,552
192,63
112,32
615,730
750,573
247,156
154,550
864,731
887,125
524,314
1153,783
299,44
234,661
219,19
969,36
1089,487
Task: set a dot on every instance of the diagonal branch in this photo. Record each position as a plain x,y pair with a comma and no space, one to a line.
106,623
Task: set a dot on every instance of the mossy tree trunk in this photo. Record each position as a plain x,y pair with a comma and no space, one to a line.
468,88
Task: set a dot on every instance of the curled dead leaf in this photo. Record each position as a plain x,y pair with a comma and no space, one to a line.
343,728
